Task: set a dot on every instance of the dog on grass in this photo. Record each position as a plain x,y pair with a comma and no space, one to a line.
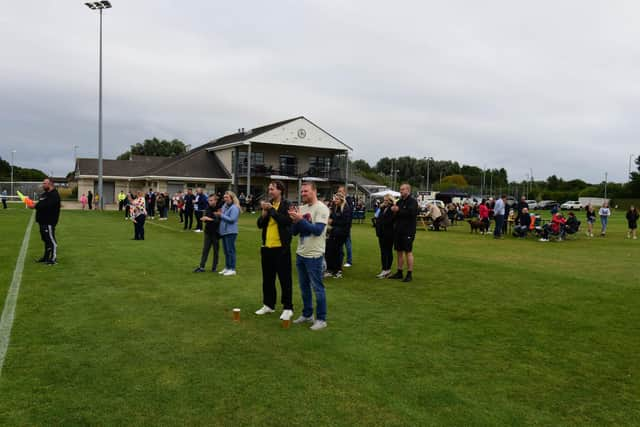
477,225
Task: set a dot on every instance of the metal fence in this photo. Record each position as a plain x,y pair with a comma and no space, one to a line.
28,188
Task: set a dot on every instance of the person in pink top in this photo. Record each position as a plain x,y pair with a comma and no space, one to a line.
483,210
83,201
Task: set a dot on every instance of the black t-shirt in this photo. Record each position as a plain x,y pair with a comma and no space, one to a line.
405,219
188,201
211,227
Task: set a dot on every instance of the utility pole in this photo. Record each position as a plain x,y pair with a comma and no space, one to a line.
13,152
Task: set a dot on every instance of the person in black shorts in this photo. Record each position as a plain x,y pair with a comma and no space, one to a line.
405,213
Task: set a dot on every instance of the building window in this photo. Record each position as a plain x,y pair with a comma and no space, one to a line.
288,165
257,159
319,166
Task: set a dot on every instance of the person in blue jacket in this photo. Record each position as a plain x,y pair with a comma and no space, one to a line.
229,215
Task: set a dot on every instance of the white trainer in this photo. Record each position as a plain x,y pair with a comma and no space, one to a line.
347,265
318,324
264,310
382,274
230,273
286,315
223,271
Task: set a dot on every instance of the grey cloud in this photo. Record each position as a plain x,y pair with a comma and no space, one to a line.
545,85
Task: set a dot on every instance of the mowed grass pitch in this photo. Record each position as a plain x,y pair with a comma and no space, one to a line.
508,332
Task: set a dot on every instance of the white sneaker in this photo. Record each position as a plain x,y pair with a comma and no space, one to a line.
303,319
347,265
318,324
286,315
544,240
264,310
197,231
327,274
230,273
381,274
223,271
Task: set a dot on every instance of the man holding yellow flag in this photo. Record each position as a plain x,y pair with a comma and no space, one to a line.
47,215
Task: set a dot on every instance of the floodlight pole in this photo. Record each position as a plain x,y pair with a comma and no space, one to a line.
100,171
12,154
100,6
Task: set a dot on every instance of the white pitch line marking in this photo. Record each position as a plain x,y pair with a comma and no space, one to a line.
6,321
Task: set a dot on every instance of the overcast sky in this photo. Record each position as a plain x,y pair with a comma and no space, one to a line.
552,86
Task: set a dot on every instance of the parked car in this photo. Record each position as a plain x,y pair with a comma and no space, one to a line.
571,205
547,204
532,204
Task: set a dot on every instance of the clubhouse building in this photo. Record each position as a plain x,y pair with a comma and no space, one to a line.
292,150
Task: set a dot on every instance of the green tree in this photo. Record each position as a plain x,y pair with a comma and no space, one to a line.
155,147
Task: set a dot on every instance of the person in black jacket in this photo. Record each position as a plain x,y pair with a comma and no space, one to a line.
189,200
275,252
340,222
404,227
47,215
211,235
384,232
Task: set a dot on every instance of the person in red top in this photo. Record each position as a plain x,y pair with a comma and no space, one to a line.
466,209
483,210
557,221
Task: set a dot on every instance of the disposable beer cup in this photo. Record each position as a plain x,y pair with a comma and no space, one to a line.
286,323
236,314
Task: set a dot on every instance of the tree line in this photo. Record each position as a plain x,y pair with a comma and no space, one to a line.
440,175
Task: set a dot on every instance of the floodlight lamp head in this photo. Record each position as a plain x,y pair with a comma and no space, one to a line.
90,5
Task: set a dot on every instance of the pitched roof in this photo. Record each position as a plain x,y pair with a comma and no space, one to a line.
135,167
241,136
196,163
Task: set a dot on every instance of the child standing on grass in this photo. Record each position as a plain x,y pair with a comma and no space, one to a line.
604,213
138,216
591,219
83,201
632,220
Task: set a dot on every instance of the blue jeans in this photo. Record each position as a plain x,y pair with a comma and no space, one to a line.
604,220
310,277
347,244
229,247
497,231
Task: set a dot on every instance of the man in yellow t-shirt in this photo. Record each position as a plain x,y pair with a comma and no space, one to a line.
275,251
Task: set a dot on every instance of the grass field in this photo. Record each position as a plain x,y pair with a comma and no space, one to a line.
507,332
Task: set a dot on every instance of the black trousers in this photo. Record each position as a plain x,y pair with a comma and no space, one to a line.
4,203
210,240
48,236
334,254
386,252
120,204
152,209
198,220
188,219
276,261
138,227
